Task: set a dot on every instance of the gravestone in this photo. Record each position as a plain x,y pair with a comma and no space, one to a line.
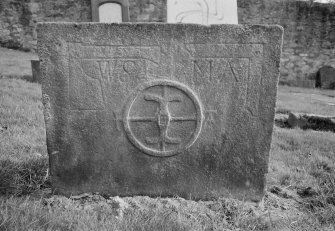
325,78
109,11
204,12
35,68
159,109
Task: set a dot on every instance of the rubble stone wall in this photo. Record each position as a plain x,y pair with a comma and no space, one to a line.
309,38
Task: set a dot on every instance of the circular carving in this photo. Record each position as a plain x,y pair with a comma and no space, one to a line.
163,118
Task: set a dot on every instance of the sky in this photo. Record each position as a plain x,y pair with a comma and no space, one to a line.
323,1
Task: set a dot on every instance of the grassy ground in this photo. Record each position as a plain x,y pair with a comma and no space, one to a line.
312,101
15,63
301,179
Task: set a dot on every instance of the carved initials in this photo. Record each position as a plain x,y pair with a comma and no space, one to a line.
229,68
218,70
203,68
106,69
120,70
129,67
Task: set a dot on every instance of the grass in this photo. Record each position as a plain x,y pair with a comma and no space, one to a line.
23,155
311,101
15,63
303,162
21,119
301,179
142,213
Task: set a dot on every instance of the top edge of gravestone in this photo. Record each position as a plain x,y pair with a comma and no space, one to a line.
132,24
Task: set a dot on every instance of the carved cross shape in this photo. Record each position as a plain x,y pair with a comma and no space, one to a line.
163,119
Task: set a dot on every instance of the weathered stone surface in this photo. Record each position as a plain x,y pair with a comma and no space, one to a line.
159,109
203,12
325,77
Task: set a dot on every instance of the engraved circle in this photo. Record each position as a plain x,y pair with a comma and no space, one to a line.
163,117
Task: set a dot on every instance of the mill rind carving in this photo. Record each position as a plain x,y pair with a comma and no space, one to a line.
164,144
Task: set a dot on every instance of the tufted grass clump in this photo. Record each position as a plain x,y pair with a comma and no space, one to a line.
23,178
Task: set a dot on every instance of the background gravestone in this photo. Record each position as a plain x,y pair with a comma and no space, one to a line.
159,109
202,11
35,68
110,10
325,78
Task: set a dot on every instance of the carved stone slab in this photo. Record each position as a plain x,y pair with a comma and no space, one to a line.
35,68
159,109
203,12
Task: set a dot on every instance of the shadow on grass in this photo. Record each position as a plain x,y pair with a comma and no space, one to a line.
23,178
28,78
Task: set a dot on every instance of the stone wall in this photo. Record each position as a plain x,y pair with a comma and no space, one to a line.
18,18
309,38
309,28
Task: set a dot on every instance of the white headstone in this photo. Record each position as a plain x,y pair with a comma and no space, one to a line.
110,12
204,12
